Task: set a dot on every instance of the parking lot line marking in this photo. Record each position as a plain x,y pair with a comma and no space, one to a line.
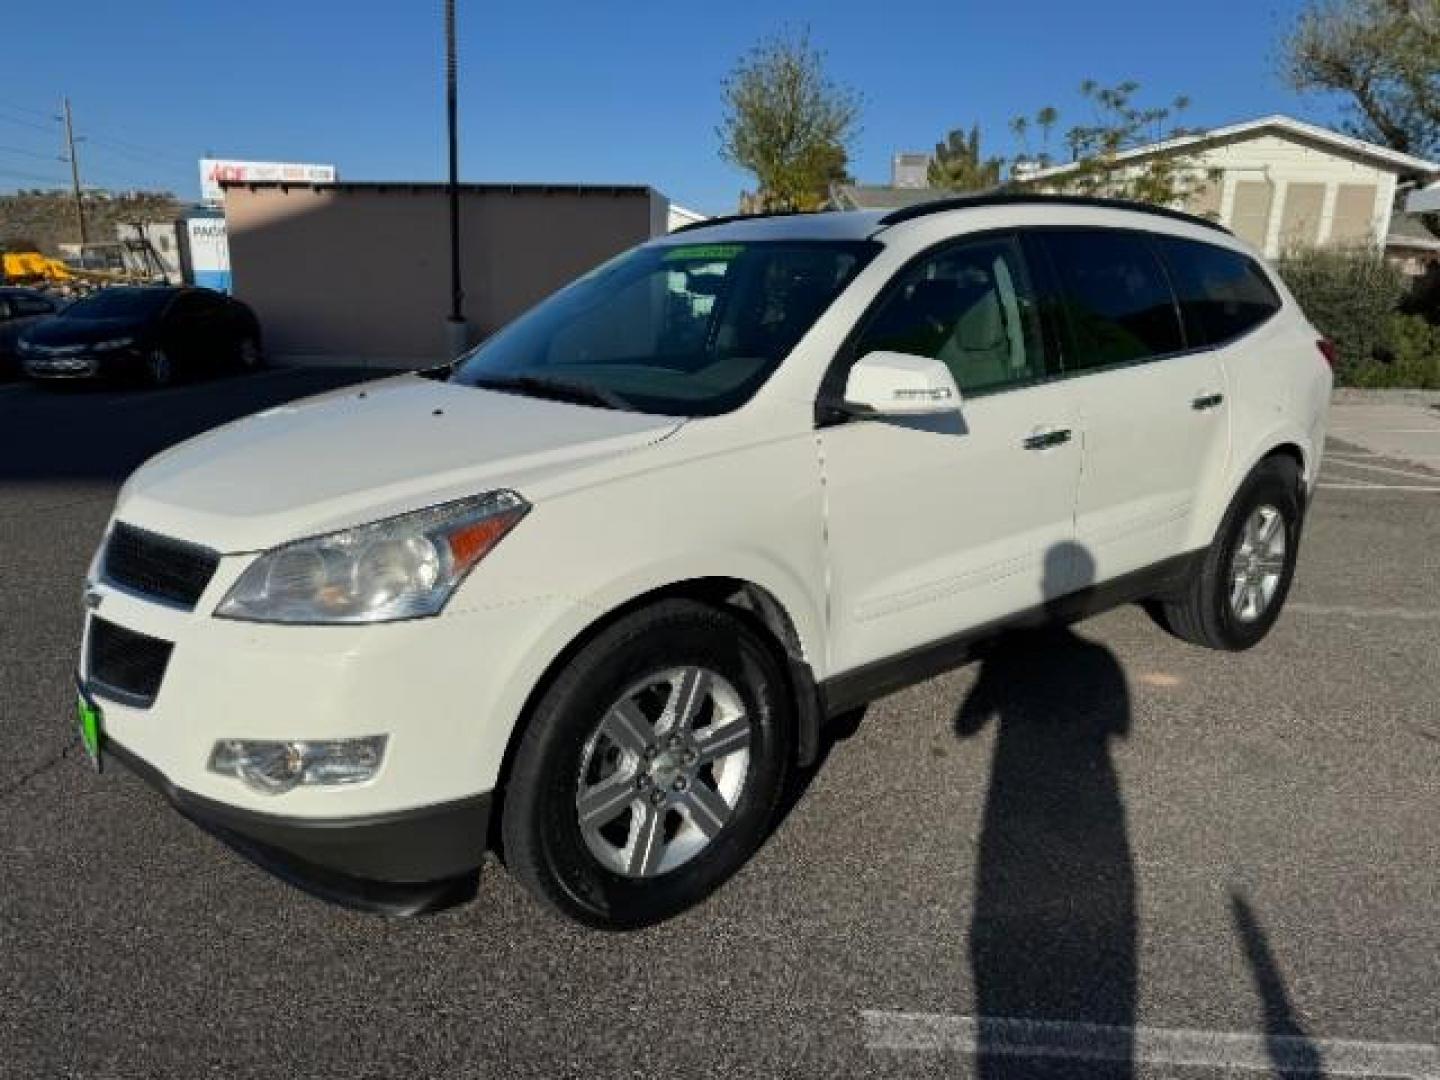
1335,486
1351,611
1410,473
1070,1041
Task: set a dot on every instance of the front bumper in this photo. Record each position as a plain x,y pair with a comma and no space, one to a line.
401,863
74,366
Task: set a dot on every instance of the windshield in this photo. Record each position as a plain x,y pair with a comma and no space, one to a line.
118,303
688,330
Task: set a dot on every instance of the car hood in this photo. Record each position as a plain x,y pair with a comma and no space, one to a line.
364,453
61,330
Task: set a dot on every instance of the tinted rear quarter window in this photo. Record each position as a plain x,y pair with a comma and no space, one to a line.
1115,298
1223,293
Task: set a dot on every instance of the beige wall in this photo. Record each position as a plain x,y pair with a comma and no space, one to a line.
1278,189
364,271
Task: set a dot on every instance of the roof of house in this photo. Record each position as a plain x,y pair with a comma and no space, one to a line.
1401,162
881,196
1425,199
1408,231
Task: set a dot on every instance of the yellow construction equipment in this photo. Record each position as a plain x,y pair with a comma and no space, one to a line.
32,268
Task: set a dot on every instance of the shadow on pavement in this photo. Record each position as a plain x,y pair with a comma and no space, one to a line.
1292,1052
1053,935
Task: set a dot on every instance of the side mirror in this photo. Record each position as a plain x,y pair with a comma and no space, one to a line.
898,384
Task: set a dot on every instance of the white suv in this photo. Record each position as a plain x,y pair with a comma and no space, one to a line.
589,596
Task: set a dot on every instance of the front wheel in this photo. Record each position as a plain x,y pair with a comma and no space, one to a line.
1235,595
651,767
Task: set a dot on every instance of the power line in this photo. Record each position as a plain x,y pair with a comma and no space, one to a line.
48,129
28,153
122,146
23,175
43,113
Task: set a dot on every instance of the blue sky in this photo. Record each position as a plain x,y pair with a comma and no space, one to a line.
571,91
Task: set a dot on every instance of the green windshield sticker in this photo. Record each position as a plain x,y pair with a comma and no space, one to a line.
703,251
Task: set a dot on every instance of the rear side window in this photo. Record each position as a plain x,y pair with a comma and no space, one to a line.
1223,294
31,305
1115,298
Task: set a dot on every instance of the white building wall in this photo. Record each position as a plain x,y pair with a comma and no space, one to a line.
1281,161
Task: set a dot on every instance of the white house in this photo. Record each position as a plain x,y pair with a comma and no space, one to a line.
1425,201
677,217
1279,183
1282,183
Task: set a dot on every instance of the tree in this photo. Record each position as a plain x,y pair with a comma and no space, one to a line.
1119,124
1384,55
788,123
958,166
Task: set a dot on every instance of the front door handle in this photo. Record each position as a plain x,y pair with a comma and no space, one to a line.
1044,440
1207,401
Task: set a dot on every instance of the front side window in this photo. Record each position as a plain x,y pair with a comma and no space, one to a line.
1223,293
686,330
1115,298
970,306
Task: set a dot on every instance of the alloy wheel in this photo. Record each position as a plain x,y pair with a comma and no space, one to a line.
160,367
663,771
1258,563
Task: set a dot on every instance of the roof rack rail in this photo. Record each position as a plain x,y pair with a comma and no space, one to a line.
745,217
967,202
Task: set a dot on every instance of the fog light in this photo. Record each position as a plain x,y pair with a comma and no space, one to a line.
276,767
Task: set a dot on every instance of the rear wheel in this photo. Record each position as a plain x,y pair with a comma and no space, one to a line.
251,358
159,367
1235,595
651,768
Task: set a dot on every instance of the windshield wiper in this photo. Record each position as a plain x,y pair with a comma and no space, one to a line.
556,389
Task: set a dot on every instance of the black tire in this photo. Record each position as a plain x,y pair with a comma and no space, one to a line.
159,368
543,843
249,355
1201,611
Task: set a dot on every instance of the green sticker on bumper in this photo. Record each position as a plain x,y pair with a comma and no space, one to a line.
88,718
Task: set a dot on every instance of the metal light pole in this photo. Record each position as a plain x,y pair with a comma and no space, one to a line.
457,331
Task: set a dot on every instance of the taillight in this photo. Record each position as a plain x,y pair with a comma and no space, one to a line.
1328,350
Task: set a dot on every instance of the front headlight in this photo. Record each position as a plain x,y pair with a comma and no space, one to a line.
113,343
399,568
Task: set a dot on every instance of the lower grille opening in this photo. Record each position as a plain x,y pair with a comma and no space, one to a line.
125,665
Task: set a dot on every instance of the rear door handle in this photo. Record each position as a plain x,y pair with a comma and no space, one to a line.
1207,401
1044,440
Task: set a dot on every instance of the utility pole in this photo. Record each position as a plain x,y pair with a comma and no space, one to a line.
456,330
74,171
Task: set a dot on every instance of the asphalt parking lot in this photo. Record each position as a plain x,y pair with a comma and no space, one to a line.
1250,845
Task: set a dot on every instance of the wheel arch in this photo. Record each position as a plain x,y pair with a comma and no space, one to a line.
756,604
1288,443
